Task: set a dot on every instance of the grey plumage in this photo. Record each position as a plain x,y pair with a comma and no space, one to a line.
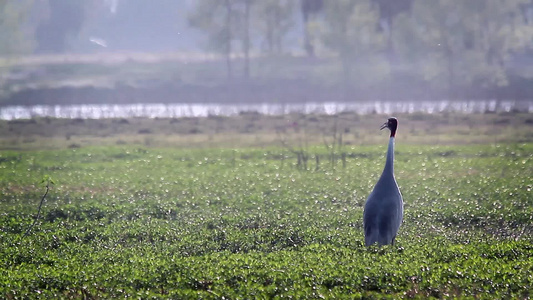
383,213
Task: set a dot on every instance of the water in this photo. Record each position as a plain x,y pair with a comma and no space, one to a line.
98,111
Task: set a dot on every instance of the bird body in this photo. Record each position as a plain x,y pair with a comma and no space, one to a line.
383,213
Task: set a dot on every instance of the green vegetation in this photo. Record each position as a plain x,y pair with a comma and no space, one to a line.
236,222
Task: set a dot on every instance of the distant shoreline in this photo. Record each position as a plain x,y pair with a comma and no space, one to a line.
180,110
289,93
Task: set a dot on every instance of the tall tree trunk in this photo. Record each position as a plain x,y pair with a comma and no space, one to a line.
229,66
246,42
277,22
451,72
309,49
308,8
391,55
270,33
346,64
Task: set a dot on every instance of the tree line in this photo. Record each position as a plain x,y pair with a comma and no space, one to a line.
443,45
447,43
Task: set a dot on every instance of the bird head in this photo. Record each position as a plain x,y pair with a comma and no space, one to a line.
391,124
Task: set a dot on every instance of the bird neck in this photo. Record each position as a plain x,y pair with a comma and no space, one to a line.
389,164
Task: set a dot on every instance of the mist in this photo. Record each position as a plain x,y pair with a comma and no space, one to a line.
58,52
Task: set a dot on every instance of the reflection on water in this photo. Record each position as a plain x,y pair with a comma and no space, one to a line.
97,111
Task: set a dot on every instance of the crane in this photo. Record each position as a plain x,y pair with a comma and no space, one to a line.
383,212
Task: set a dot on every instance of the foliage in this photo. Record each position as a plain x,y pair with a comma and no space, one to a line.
220,20
310,9
351,29
211,16
352,33
275,23
226,22
463,44
234,223
452,48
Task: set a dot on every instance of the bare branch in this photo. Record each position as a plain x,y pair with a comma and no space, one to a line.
284,143
39,210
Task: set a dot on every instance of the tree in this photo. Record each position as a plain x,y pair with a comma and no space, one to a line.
459,44
215,18
245,34
352,32
310,8
225,22
388,10
275,22
498,30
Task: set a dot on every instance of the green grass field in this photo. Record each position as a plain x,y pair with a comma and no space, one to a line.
240,220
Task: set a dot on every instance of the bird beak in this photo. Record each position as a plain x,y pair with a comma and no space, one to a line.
383,126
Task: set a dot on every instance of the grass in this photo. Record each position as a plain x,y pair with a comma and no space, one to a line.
254,130
211,221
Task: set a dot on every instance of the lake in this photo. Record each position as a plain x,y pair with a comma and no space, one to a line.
176,110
